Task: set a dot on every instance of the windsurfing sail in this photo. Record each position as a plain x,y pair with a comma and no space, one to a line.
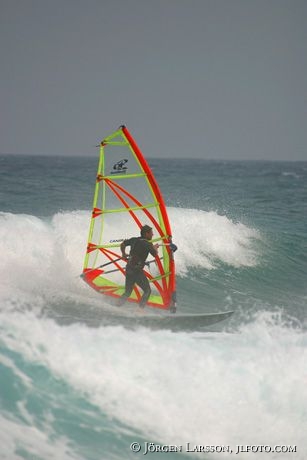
127,197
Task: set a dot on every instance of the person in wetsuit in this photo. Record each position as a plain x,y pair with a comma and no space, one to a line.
140,248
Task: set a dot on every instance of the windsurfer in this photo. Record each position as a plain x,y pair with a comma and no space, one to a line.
140,248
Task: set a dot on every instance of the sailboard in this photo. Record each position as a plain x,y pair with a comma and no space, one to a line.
126,197
181,322
154,319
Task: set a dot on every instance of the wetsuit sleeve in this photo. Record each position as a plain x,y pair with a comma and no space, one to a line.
152,250
123,246
126,243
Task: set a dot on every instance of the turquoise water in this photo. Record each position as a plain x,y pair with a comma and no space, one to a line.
80,391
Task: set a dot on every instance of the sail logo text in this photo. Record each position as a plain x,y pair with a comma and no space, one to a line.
119,167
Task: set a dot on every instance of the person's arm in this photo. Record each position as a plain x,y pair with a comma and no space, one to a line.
154,249
123,249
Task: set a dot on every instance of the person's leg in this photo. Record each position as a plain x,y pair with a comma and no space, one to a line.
129,283
143,282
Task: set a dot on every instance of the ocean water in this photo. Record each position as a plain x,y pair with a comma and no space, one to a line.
85,391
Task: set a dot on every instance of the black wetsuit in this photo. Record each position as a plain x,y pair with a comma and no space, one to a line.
140,248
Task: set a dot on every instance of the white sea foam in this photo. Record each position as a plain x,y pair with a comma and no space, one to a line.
247,388
291,174
31,441
206,238
243,388
42,259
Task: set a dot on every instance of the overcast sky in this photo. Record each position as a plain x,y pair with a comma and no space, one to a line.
216,79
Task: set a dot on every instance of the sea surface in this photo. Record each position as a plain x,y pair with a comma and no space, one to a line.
86,391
